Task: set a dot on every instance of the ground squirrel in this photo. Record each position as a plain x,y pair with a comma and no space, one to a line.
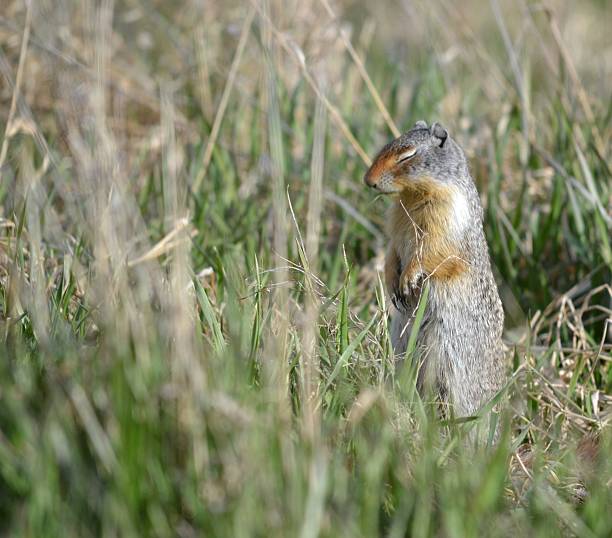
436,235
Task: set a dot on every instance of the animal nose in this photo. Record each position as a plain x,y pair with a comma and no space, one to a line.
370,180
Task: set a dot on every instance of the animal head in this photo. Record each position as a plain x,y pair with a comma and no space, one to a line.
422,154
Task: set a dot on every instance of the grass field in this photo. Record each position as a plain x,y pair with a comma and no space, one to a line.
193,327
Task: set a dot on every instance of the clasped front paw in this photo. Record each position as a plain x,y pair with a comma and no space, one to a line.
411,287
406,295
399,300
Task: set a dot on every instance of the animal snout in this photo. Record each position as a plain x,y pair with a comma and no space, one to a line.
370,180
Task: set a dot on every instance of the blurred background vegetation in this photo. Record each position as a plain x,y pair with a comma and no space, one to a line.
193,333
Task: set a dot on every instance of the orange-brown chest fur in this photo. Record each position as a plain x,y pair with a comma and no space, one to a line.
422,230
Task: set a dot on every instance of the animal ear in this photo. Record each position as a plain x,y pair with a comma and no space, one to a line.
421,124
440,133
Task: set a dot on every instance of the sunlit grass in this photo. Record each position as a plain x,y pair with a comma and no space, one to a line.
193,324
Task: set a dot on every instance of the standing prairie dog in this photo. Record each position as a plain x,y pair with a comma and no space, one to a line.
436,235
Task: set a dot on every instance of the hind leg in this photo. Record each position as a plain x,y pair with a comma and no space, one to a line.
471,386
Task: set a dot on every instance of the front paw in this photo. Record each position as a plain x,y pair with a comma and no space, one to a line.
399,300
406,295
411,285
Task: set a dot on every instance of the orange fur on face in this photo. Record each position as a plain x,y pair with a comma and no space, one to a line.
420,223
379,167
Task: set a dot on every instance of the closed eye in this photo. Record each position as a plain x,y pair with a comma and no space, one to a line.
408,154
